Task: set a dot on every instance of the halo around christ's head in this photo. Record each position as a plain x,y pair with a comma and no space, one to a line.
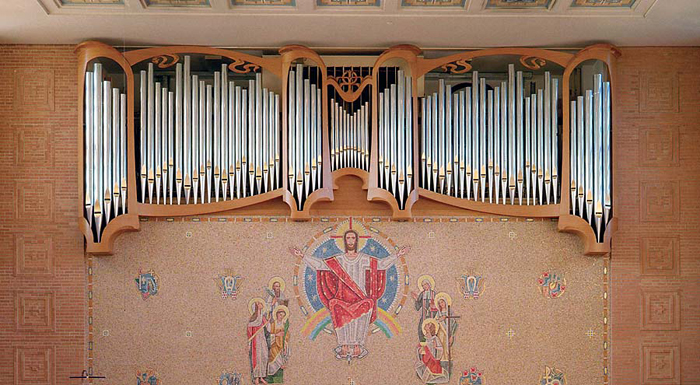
358,227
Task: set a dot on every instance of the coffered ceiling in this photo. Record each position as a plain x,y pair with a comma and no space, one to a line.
371,24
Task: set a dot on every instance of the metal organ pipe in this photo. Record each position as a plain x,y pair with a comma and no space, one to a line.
104,135
304,131
495,141
590,132
195,145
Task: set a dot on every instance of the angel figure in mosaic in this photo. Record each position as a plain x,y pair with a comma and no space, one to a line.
278,331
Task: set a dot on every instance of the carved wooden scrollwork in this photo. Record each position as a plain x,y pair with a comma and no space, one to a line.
532,62
349,85
458,67
242,67
166,60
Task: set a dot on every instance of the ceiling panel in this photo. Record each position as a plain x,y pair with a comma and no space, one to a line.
92,3
238,3
433,3
519,4
348,3
604,3
351,24
176,3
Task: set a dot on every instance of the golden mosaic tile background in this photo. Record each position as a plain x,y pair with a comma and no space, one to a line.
188,333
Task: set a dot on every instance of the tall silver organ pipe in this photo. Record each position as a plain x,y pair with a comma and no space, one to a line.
304,126
489,142
206,139
105,151
590,132
350,128
396,117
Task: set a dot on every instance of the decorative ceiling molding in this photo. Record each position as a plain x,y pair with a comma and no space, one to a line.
603,3
434,3
519,4
389,9
348,3
98,3
257,3
176,3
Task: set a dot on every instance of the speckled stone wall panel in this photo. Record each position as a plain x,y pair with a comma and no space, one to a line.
134,334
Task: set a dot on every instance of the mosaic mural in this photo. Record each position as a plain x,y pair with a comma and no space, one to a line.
229,284
176,3
148,284
604,3
262,2
90,2
552,376
552,285
471,285
268,334
514,4
350,282
342,3
436,333
433,3
472,376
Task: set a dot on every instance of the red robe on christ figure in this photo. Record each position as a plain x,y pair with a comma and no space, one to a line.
349,286
342,296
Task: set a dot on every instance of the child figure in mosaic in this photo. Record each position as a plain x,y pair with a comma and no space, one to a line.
258,349
278,330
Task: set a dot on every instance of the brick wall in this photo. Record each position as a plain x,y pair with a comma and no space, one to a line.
42,274
656,253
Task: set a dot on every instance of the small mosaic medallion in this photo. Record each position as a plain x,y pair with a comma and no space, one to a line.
230,378
229,284
471,286
147,377
552,285
472,376
552,376
147,283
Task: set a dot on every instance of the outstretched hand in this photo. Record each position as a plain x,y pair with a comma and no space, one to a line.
296,252
403,251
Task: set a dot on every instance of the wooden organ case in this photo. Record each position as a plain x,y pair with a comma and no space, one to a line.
187,130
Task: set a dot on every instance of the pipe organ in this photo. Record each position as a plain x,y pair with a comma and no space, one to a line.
196,130
105,187
304,132
350,118
492,141
395,136
205,137
590,156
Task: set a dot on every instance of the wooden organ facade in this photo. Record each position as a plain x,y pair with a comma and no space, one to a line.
187,130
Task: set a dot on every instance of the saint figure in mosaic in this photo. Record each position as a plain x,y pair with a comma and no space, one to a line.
278,331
